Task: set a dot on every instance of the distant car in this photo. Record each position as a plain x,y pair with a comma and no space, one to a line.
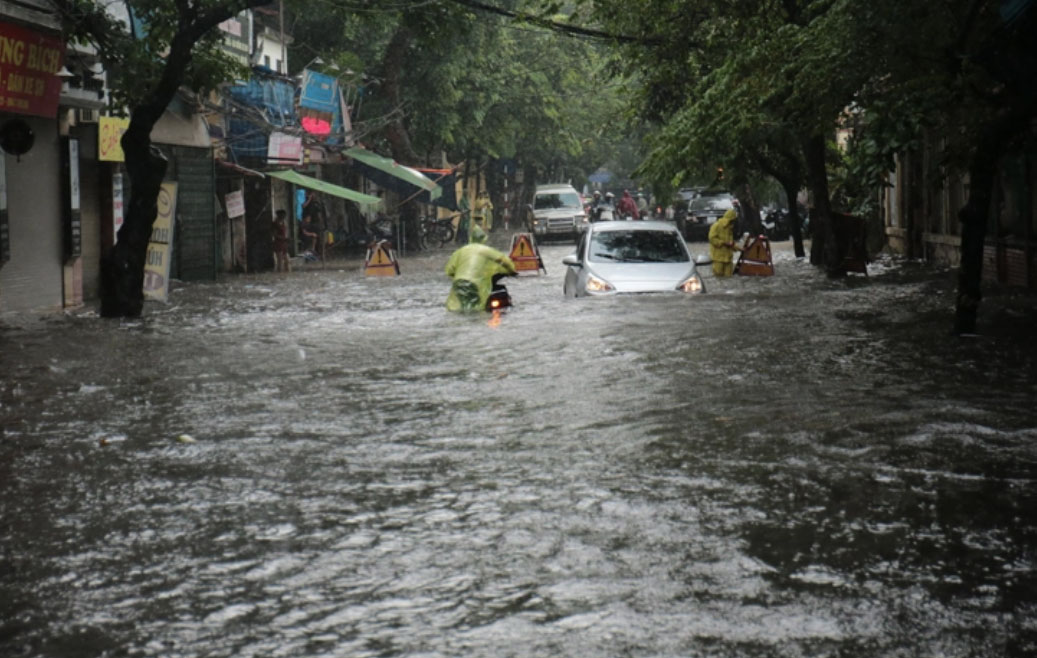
558,213
703,212
631,257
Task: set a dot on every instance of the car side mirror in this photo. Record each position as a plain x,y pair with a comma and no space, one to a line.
703,259
572,260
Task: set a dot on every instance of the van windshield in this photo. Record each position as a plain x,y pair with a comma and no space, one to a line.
719,202
549,201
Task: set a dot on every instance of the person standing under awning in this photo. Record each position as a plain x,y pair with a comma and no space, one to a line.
483,213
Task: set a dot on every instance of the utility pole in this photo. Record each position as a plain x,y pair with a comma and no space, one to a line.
284,50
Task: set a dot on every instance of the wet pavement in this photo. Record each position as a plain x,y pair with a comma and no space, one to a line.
788,466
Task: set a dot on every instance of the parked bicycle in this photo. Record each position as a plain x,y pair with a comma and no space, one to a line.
435,232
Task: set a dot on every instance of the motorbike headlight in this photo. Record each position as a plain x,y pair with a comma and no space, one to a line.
595,284
692,284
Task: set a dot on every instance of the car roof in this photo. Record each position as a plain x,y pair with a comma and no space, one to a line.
555,187
637,225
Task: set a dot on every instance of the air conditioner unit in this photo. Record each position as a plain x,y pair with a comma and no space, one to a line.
88,116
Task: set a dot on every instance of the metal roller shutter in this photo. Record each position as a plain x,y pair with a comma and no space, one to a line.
32,279
195,240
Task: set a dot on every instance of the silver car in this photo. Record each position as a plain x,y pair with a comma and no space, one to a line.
631,257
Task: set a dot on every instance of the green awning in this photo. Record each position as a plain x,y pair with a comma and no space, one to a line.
327,188
396,170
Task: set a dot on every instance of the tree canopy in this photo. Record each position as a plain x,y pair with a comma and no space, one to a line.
461,83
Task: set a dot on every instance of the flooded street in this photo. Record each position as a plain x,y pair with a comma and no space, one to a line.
788,466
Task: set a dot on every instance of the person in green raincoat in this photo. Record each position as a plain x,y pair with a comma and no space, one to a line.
722,244
483,213
472,268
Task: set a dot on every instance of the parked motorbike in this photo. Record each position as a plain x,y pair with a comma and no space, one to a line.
776,224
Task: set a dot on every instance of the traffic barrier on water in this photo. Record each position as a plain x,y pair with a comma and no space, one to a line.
755,259
525,254
381,260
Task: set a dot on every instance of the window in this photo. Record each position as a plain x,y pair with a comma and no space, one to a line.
560,200
266,61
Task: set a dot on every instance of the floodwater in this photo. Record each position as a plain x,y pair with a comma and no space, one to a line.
787,466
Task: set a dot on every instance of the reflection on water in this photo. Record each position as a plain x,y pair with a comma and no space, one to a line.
783,467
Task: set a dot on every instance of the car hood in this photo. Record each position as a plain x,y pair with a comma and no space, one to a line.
643,277
555,213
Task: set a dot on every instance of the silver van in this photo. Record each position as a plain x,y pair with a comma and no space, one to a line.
558,213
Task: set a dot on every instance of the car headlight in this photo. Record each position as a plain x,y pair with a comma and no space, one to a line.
692,284
594,284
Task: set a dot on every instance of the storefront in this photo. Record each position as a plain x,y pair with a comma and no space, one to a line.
39,235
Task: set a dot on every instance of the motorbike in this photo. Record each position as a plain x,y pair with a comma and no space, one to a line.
499,298
602,214
776,224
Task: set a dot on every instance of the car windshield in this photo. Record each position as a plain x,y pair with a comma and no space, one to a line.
549,201
712,203
637,246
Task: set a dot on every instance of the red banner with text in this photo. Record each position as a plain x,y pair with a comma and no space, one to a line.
28,64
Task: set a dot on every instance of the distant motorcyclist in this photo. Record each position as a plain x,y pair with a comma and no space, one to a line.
722,244
627,206
642,204
473,268
599,203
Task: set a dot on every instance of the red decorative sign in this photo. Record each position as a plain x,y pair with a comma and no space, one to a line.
28,64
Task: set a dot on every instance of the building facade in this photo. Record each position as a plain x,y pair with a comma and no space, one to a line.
920,209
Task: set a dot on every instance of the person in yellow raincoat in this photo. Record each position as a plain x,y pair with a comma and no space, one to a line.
473,268
722,244
483,213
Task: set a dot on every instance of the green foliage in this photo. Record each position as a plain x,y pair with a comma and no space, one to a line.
478,85
136,54
741,82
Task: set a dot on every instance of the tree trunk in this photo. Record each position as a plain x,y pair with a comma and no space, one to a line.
823,250
393,63
750,219
791,193
973,215
122,270
524,199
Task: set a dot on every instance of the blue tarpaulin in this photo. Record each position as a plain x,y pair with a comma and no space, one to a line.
274,98
318,92
320,96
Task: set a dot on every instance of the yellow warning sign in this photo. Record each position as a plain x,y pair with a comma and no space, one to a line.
525,255
755,259
381,260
